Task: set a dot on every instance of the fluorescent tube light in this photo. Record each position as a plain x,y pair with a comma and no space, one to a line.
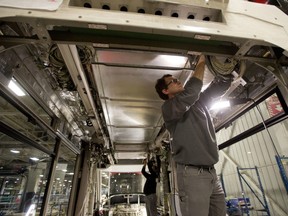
15,151
14,86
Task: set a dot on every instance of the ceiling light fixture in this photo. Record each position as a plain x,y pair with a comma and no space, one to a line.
15,151
15,87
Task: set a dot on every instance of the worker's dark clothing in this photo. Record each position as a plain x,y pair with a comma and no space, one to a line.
150,190
194,149
150,184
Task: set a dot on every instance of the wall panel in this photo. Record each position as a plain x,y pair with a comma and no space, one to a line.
257,150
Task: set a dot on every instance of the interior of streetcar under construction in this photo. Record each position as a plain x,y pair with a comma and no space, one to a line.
79,112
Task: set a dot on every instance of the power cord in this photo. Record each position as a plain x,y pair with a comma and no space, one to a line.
173,177
265,127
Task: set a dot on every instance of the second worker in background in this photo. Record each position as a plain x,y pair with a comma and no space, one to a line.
150,186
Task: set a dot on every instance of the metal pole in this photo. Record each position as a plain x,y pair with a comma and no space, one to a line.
242,190
263,194
48,189
74,189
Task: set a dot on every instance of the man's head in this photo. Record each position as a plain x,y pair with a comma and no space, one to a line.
152,165
167,86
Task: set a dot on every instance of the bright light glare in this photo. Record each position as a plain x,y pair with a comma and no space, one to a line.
15,151
34,158
31,210
143,211
220,105
170,60
14,86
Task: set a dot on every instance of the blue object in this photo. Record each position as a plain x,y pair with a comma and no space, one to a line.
237,206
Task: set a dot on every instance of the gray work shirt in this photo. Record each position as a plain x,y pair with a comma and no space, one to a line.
190,126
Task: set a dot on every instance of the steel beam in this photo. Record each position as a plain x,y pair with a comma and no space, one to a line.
242,21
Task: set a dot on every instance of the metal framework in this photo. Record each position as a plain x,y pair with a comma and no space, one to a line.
233,28
264,203
244,24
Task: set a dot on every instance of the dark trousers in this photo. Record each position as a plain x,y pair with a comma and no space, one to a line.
151,204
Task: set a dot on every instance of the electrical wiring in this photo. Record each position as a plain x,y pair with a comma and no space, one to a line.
173,177
265,126
219,68
59,69
55,57
85,54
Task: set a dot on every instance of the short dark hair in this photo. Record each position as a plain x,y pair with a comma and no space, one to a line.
160,85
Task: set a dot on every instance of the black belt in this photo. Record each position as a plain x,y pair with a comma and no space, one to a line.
203,167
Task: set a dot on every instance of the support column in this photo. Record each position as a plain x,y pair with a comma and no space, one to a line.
31,187
82,196
92,189
98,188
166,185
50,178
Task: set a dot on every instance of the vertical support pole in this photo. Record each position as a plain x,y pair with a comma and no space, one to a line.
48,189
282,172
166,186
92,190
262,190
82,196
74,189
98,187
22,191
242,190
2,186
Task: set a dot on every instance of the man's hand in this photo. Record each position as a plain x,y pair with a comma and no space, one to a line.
201,59
145,161
200,68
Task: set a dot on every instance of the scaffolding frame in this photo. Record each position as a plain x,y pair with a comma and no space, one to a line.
264,203
282,170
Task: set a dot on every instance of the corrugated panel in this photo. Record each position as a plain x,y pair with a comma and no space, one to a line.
257,150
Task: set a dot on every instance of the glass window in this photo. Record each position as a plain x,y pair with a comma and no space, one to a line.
62,183
25,98
274,106
18,121
23,169
121,183
267,109
125,193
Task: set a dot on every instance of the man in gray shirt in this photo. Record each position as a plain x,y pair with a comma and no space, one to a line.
193,141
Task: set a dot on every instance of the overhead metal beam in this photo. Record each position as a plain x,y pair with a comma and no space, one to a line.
114,38
120,38
22,138
267,20
11,98
74,65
